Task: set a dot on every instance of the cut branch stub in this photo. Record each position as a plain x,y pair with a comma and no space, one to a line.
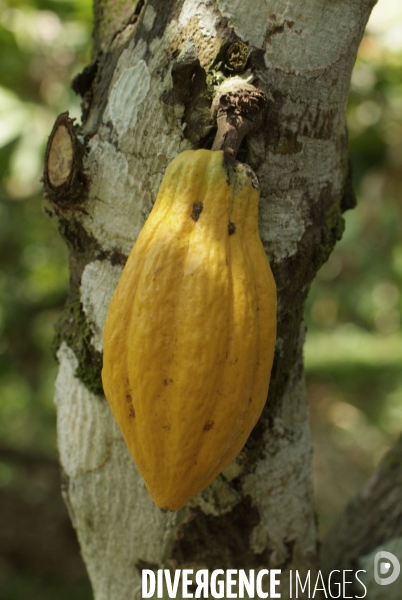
63,172
238,107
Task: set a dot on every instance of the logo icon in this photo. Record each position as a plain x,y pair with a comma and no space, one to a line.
383,561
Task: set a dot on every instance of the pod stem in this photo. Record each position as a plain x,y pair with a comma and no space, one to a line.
238,108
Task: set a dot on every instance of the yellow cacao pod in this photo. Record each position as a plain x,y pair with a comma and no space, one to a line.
190,332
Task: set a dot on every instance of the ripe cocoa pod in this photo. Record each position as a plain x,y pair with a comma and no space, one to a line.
190,333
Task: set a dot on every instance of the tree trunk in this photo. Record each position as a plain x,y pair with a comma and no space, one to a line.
146,97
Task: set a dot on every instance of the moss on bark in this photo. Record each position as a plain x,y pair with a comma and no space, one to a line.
74,328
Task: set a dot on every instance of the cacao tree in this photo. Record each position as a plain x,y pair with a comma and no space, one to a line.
146,96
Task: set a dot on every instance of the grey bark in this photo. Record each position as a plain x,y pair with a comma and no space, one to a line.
146,97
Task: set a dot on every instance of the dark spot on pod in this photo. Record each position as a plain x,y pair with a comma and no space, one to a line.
231,228
208,425
131,411
250,173
197,210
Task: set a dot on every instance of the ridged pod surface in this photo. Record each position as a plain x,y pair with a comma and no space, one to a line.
190,333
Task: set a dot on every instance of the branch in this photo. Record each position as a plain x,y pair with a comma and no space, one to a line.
373,518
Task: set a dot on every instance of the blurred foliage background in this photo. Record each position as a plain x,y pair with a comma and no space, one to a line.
353,349
44,43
